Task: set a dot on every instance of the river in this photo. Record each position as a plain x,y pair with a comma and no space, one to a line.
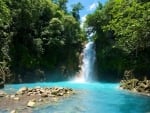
91,98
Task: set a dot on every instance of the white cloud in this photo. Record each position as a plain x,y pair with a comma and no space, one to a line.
93,6
83,19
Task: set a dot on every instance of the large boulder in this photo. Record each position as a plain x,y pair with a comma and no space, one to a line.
1,83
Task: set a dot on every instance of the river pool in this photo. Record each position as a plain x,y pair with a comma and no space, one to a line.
91,98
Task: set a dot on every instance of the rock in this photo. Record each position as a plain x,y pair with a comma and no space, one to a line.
60,94
29,93
12,96
67,92
42,91
16,98
31,104
54,92
137,86
44,95
29,90
40,100
22,90
134,83
33,100
38,96
134,90
13,111
2,93
142,85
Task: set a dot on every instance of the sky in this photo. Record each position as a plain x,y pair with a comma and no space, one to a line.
89,6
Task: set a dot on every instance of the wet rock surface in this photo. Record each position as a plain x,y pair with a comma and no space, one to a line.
25,99
136,85
132,84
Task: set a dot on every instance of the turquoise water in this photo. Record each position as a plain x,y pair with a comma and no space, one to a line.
92,98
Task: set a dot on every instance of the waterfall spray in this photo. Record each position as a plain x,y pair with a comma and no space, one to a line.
88,62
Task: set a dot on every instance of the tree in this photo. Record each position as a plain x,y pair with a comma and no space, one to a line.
5,20
5,40
75,10
52,34
34,34
130,22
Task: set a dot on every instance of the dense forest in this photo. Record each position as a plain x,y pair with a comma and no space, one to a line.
121,30
38,37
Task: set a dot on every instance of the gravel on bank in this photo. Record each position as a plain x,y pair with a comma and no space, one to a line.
25,99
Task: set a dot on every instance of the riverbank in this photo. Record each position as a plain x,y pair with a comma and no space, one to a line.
25,99
136,86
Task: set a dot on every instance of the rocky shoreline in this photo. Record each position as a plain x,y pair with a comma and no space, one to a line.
135,85
25,99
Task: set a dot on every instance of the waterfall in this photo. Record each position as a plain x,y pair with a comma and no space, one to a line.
87,72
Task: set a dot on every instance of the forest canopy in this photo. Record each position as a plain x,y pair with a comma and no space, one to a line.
39,34
122,36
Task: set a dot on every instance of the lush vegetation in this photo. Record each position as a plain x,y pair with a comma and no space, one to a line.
122,35
38,36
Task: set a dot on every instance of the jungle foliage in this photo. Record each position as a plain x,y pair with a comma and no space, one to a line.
122,35
38,34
